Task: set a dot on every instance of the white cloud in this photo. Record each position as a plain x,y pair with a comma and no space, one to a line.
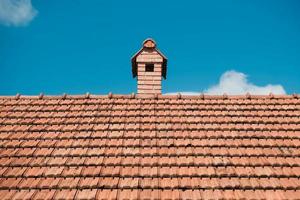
232,82
16,12
236,83
183,93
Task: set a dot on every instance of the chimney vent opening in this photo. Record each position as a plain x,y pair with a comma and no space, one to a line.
149,67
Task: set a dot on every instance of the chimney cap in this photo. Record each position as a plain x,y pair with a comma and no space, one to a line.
149,43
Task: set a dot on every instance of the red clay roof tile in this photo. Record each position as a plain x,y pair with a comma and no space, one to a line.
106,194
69,182
43,194
29,183
86,194
88,182
109,182
165,148
65,194
7,194
23,194
48,183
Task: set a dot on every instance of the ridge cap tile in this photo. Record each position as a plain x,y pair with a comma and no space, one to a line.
160,96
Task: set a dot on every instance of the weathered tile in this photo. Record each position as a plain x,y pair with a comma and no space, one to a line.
106,194
65,194
86,194
23,194
69,183
108,182
150,149
128,194
43,194
49,182
88,182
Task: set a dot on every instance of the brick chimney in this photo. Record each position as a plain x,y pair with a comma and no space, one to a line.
149,65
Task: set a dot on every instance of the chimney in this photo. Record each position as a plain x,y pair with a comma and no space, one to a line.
149,65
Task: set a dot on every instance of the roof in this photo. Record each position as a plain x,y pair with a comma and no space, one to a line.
149,44
167,147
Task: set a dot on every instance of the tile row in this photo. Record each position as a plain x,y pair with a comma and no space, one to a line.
151,172
287,136
148,113
158,151
150,183
151,161
154,143
161,100
153,127
152,119
132,105
147,194
135,109
154,106
72,147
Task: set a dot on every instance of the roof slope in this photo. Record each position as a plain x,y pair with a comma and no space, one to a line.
174,147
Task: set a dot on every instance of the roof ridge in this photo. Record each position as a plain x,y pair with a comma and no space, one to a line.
142,96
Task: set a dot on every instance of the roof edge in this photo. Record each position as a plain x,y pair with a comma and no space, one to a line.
160,96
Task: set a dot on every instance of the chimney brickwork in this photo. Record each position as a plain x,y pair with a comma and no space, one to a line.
149,66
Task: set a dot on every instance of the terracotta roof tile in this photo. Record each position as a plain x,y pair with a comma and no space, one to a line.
23,194
29,183
53,171
109,182
69,171
106,194
10,183
149,194
192,194
128,182
91,171
14,171
44,194
88,182
7,194
128,194
149,183
128,171
65,194
170,194
166,148
69,183
48,183
86,194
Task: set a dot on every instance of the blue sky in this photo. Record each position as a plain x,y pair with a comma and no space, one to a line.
79,46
